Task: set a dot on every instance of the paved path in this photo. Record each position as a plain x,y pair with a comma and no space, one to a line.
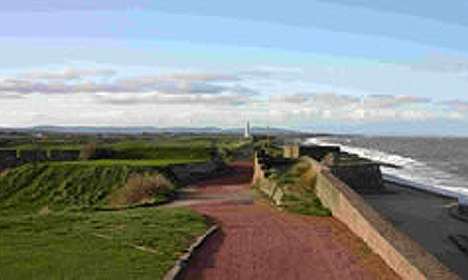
260,242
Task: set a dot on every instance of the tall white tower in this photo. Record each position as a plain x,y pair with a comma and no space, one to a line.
247,130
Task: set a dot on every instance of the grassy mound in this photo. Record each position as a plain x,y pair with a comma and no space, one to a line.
60,186
132,244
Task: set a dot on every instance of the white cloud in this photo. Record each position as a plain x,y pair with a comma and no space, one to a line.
68,74
210,99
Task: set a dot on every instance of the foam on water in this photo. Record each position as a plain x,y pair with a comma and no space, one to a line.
412,172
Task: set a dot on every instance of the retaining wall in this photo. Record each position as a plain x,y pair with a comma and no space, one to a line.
267,187
31,155
407,258
318,152
363,177
7,155
64,155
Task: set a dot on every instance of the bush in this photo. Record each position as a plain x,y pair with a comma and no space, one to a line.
141,189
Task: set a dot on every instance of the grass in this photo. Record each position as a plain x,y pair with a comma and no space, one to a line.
298,185
162,149
131,244
307,204
50,227
61,186
127,162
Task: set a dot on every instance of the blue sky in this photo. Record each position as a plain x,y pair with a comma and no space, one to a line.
376,67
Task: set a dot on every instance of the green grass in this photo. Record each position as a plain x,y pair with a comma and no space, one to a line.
163,149
131,244
298,185
77,185
127,162
28,189
307,204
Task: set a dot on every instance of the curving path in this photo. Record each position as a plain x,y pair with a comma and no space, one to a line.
260,242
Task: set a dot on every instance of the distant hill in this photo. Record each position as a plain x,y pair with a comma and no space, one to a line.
147,129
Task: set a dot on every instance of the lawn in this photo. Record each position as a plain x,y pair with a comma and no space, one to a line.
130,244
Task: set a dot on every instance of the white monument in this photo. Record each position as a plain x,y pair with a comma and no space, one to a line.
247,130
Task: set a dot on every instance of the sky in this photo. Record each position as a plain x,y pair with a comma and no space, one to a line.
355,66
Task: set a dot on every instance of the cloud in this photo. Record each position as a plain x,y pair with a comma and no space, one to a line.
332,100
169,98
272,72
24,86
288,98
69,74
9,95
201,84
458,105
392,101
441,63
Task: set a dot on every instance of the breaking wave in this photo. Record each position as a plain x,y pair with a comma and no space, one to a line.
412,172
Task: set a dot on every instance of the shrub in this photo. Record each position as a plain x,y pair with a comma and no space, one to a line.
141,189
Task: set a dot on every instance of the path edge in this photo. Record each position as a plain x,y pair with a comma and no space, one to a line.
181,264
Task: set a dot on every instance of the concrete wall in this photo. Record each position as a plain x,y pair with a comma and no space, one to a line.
188,173
64,155
30,155
407,258
358,173
267,187
463,205
10,158
363,177
291,151
7,155
318,152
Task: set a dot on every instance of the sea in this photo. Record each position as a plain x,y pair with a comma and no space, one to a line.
438,164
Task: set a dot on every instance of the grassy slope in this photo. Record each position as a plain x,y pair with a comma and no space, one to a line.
27,189
62,185
100,245
128,162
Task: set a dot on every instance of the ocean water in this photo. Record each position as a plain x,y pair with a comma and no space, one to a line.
436,164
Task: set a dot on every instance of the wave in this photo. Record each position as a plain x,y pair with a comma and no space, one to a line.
413,173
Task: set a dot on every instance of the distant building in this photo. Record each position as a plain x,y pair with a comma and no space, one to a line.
247,130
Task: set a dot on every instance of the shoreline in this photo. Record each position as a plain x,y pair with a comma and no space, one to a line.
425,217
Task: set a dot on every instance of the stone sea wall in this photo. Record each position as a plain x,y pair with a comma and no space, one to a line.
408,259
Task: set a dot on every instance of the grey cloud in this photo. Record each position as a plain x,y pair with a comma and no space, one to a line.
441,63
333,100
277,73
391,101
69,74
25,86
458,105
22,86
9,95
165,98
238,89
289,98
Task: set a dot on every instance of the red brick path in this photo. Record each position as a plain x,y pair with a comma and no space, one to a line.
259,242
